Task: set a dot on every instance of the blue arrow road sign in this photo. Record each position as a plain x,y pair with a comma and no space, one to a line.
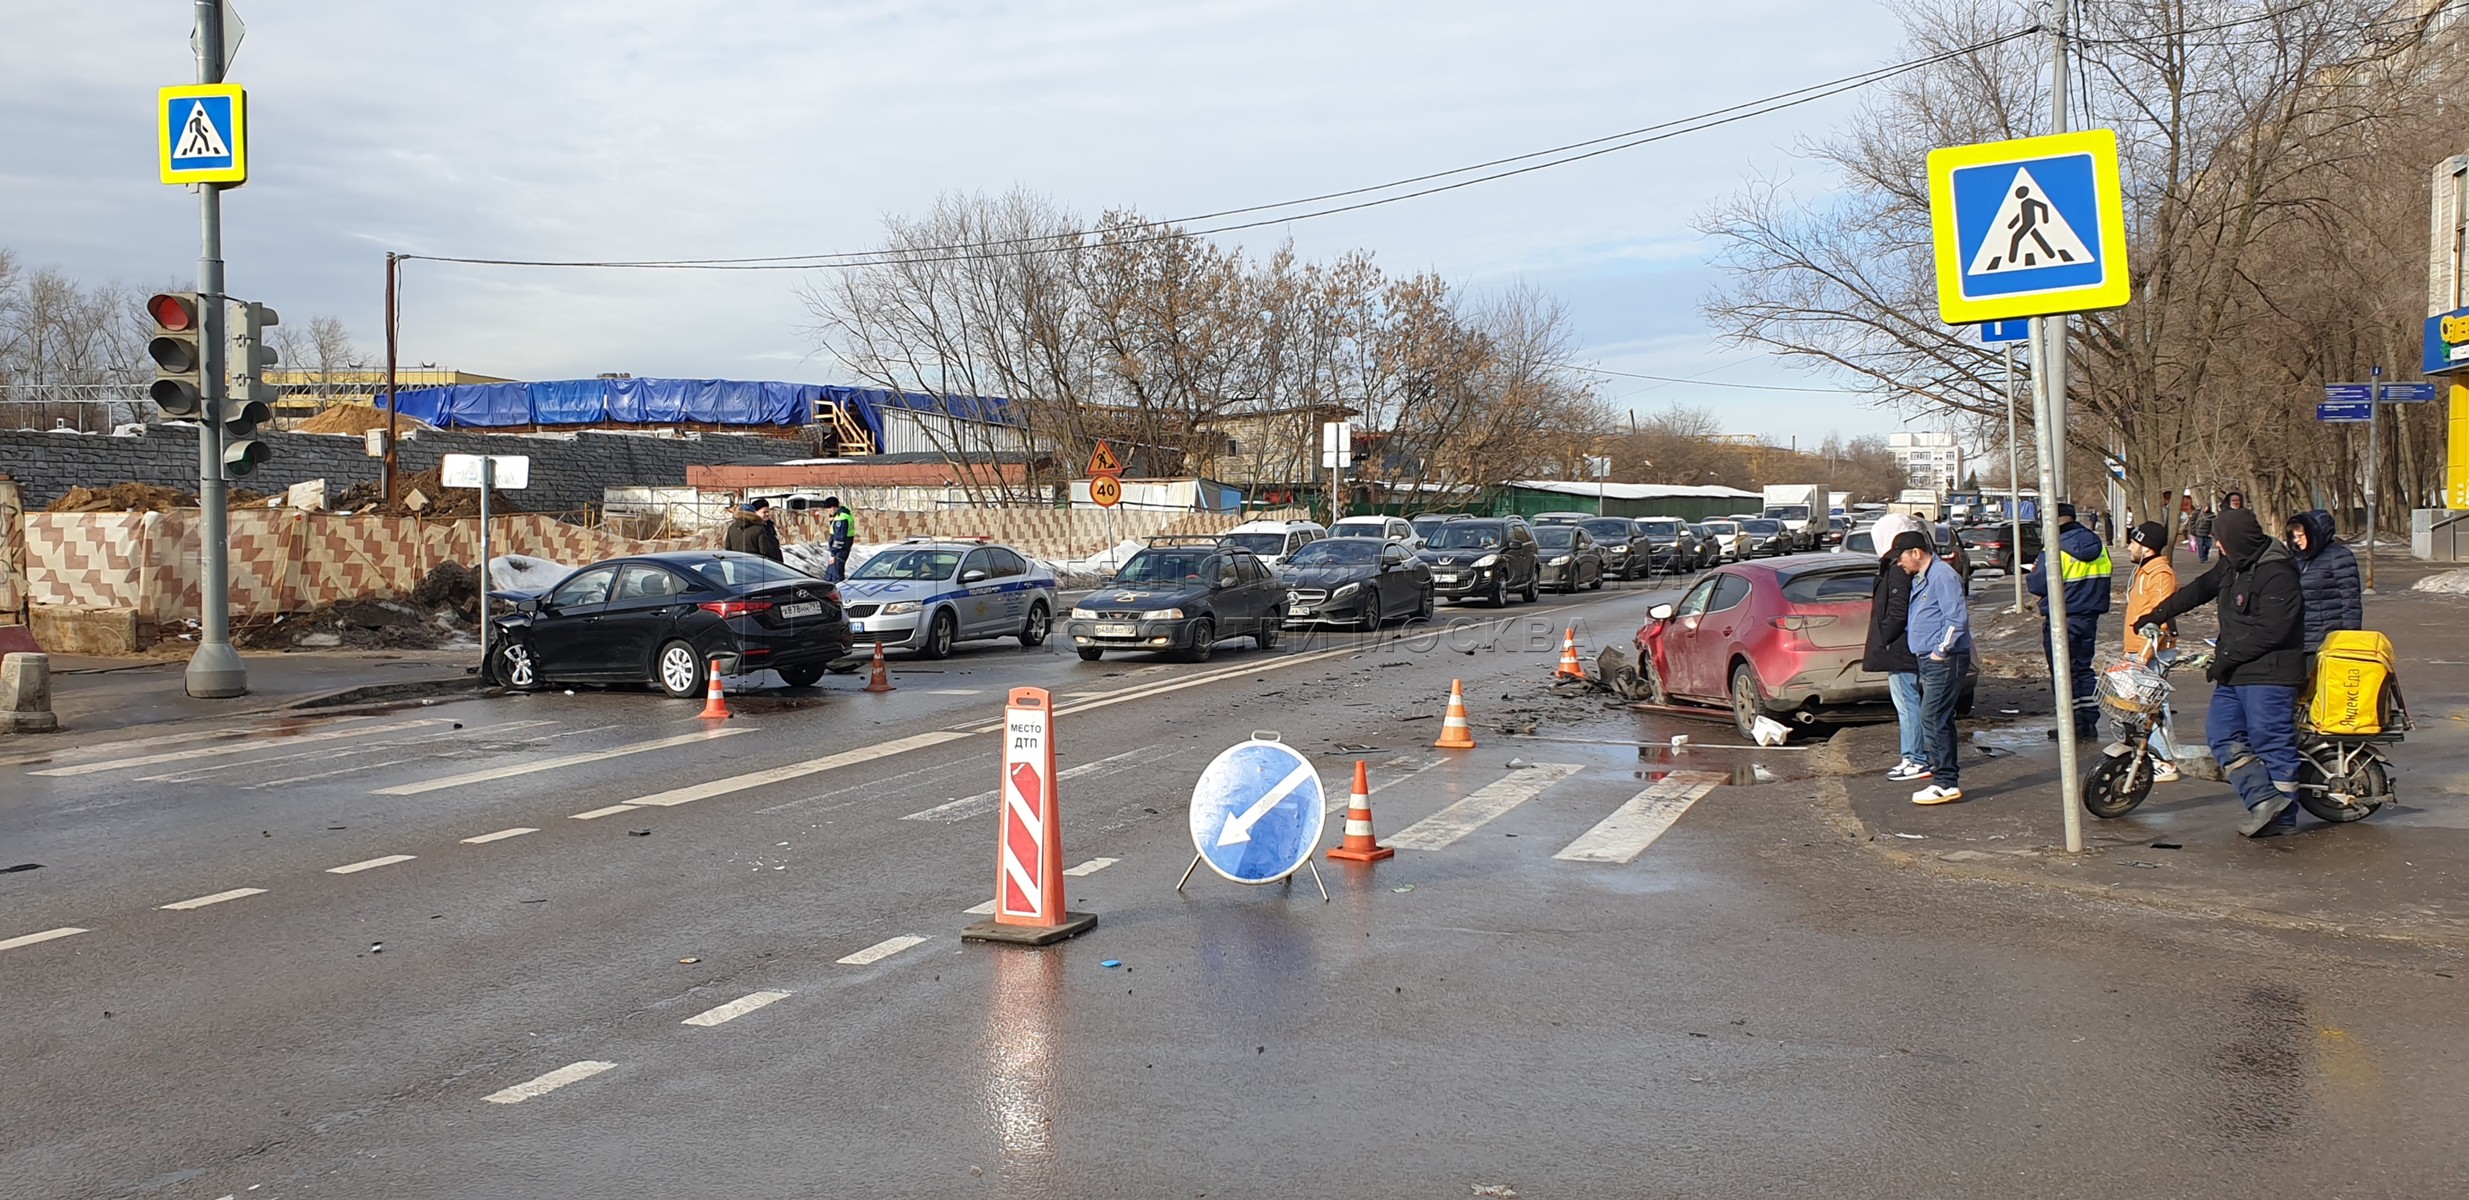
2345,410
2349,393
1258,811
2017,330
2408,393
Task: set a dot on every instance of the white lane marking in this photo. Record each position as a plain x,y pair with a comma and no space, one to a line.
290,780
980,910
217,898
798,770
570,1073
1632,827
984,802
499,836
353,868
877,786
1340,791
64,931
1443,829
1091,867
734,1009
570,760
881,950
454,738
1144,691
598,813
957,692
242,747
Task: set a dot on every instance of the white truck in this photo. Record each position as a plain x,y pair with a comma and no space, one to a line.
1802,509
1917,502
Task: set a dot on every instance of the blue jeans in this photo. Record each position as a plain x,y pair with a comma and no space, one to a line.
1904,686
2253,732
1941,680
2203,548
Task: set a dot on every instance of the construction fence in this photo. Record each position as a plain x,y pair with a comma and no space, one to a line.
287,561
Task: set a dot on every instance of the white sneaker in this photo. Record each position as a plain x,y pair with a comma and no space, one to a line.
1907,771
2164,773
1934,794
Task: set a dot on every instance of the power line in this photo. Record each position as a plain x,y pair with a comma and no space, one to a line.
1064,241
1755,387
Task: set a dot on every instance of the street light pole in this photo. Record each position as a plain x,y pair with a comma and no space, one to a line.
2049,378
214,670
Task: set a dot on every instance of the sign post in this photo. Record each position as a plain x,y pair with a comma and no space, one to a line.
2036,227
488,472
1106,485
1028,860
1257,814
1336,451
2004,335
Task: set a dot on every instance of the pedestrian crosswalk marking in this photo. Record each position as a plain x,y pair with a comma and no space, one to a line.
1622,836
796,770
244,747
493,773
984,802
1478,808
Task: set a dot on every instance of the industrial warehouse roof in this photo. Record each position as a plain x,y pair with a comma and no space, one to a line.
1633,491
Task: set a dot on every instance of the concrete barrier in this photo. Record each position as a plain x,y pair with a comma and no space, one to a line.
100,632
25,694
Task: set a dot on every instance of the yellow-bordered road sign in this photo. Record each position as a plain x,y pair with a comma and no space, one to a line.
202,132
2028,228
1106,491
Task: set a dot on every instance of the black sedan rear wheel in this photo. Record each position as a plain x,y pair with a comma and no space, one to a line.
798,677
680,671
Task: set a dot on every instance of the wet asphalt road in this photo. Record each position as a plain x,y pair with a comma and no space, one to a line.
1751,1007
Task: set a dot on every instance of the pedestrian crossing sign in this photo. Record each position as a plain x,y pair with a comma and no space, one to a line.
2028,228
202,132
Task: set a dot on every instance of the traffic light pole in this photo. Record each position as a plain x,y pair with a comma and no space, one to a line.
215,670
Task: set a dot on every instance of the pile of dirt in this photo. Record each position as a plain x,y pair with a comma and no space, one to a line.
353,498
442,501
122,497
357,419
441,613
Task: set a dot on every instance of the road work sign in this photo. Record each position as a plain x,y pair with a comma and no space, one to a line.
2028,228
201,130
1258,811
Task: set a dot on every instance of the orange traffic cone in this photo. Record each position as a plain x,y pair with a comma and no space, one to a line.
715,706
1570,667
1360,845
1455,734
882,681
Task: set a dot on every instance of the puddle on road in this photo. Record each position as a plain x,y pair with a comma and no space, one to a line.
2014,737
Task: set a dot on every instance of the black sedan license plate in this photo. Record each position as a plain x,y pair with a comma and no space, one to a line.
794,611
1117,631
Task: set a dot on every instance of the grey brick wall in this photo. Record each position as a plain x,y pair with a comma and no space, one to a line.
568,471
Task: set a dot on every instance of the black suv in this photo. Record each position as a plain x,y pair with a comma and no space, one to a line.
1180,595
1483,558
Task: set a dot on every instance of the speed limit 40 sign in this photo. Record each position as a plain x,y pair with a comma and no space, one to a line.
1106,491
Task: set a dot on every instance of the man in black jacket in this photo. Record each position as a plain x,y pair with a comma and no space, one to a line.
1890,601
751,531
2257,667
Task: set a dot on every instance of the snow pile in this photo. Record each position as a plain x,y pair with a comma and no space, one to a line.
523,573
814,558
2450,583
1097,568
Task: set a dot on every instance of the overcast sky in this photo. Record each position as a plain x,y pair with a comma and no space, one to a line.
717,128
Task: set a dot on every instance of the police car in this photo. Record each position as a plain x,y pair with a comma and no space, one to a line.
925,594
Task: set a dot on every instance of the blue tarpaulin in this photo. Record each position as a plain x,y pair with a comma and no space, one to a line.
673,401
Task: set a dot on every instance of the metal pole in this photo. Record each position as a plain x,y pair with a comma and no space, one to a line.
2014,485
215,670
2051,438
2374,466
488,481
386,485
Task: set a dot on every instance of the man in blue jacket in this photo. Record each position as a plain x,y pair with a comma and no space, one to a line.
2083,569
1938,632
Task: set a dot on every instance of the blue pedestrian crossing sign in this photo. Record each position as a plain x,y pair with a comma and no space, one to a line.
2028,228
202,133
1258,811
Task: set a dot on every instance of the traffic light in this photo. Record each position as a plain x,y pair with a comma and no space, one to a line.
179,359
248,398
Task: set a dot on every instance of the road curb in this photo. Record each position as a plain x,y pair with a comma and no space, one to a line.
379,693
1835,807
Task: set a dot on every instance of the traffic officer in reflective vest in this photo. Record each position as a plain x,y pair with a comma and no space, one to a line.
2083,570
839,537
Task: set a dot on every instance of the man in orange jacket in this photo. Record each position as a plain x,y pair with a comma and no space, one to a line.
2147,547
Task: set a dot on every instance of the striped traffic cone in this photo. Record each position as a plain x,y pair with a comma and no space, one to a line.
882,681
1360,845
715,705
1570,667
1455,734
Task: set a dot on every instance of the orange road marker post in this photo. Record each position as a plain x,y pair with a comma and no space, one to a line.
1028,860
